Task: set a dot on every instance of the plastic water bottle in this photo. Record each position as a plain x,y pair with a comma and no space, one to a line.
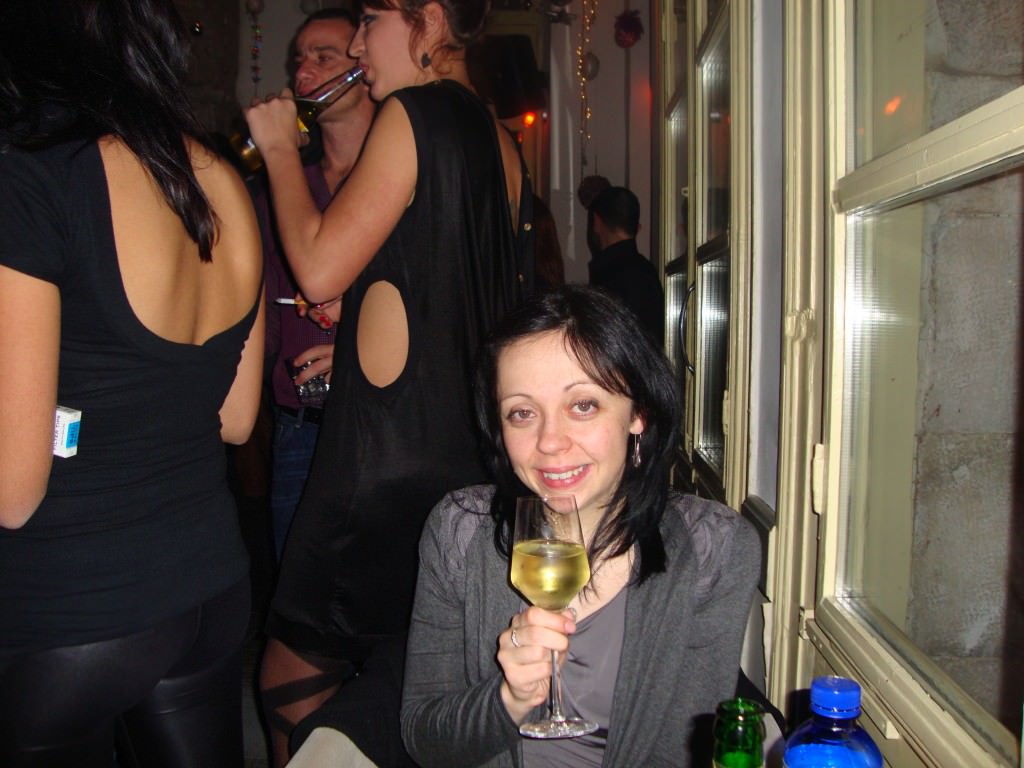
832,738
739,734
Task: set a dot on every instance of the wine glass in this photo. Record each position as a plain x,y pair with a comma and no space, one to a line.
549,567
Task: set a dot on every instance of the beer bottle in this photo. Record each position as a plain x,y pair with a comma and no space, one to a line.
739,734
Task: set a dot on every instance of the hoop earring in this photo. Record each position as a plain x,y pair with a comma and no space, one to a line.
425,60
636,450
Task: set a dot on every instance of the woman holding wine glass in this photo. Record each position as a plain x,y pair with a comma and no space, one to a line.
420,239
575,400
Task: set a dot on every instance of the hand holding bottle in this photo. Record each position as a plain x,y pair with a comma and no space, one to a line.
273,122
318,360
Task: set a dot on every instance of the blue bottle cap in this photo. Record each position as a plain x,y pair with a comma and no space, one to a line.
837,697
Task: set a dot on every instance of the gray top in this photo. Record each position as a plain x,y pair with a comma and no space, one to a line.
680,650
588,681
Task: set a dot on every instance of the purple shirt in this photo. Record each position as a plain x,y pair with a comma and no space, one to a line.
287,333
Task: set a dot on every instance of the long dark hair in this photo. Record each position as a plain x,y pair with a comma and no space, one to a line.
616,353
82,69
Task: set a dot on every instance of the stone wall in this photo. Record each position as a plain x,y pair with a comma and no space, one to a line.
966,489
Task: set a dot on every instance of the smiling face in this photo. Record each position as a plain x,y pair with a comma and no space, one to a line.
564,433
382,46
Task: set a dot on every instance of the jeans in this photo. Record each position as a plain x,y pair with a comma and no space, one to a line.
294,442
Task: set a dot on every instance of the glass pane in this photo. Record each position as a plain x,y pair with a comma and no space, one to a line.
681,194
930,467
714,8
715,74
712,256
922,63
713,262
682,65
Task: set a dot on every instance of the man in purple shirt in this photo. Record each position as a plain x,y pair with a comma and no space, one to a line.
321,46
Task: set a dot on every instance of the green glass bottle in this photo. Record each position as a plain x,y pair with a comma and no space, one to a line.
739,734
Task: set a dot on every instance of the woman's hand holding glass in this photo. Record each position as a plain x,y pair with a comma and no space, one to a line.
525,657
549,567
318,360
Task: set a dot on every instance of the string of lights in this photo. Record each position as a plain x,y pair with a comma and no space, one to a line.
589,12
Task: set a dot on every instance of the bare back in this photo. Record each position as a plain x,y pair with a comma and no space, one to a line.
172,292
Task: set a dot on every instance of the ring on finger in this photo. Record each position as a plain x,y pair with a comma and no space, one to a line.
515,640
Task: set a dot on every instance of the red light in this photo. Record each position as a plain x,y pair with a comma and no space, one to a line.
529,119
893,104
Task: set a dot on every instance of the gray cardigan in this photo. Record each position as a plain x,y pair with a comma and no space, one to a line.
680,656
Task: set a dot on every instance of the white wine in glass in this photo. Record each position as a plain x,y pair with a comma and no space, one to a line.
549,568
549,573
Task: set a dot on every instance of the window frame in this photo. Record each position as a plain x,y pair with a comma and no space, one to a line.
904,708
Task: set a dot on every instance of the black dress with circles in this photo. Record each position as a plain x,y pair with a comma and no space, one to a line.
386,455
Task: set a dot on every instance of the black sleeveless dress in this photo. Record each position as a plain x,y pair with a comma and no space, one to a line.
387,455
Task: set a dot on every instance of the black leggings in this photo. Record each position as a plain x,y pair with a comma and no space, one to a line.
172,692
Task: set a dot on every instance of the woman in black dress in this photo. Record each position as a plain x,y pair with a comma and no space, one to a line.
421,242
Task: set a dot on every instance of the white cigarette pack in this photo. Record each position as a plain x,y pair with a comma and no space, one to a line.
65,431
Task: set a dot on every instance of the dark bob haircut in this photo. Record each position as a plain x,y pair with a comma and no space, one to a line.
609,344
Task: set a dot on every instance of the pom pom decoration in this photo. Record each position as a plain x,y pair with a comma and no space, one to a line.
628,29
254,7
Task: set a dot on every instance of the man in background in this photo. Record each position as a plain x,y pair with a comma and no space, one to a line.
320,51
617,266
